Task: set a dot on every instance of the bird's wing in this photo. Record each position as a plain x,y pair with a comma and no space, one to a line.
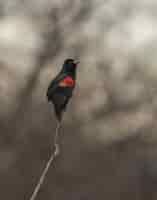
67,82
54,84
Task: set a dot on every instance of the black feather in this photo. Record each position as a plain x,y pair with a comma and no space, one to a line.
58,95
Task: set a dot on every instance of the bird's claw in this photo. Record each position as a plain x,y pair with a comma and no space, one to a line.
57,150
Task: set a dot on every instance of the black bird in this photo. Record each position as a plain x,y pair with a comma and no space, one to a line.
61,87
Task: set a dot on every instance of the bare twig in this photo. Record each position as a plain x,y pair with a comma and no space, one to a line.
54,154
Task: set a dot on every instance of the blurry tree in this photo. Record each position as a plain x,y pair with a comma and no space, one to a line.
109,136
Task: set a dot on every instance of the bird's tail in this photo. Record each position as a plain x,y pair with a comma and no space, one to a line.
59,114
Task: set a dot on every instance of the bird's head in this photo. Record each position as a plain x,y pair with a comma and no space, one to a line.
70,65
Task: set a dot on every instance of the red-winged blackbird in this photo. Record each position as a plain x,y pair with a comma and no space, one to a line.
61,87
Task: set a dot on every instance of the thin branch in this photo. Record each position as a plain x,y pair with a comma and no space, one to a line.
54,154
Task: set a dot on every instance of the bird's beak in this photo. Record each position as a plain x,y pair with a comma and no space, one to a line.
77,62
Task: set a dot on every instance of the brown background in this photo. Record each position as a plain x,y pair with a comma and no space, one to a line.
108,140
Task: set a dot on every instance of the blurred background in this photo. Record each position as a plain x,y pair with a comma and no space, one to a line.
108,140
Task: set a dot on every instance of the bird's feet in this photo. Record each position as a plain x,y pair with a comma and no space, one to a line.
57,150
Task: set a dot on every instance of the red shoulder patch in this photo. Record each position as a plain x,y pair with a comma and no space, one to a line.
67,82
